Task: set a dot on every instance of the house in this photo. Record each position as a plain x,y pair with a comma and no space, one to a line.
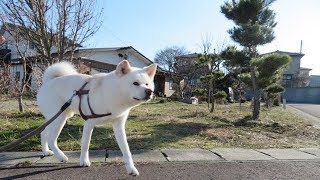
96,60
90,61
294,75
314,81
187,67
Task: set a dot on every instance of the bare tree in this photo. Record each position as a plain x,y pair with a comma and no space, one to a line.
300,80
167,59
4,77
55,27
2,40
210,63
15,84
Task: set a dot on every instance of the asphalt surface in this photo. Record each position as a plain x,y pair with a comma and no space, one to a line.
186,170
312,109
310,112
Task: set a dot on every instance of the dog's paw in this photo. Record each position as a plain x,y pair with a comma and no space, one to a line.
48,153
133,171
85,162
62,158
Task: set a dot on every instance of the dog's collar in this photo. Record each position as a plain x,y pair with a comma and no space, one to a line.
93,114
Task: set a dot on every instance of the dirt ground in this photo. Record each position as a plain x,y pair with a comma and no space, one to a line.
12,104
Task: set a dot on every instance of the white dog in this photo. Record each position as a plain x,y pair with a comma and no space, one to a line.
112,96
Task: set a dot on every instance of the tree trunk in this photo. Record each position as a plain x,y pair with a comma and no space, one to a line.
256,95
240,100
23,86
268,101
212,86
21,109
211,96
212,106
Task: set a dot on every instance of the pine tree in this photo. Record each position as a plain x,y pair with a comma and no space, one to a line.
254,23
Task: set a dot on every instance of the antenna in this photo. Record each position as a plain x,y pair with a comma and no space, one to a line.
301,47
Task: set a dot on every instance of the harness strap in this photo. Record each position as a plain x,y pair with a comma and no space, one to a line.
93,114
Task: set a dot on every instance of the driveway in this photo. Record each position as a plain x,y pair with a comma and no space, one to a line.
310,112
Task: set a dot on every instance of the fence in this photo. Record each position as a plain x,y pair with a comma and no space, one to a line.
302,95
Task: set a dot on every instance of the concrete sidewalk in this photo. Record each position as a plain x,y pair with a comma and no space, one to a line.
166,155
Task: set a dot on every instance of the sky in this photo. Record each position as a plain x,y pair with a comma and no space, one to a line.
150,26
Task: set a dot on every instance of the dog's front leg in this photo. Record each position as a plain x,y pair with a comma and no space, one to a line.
119,131
85,143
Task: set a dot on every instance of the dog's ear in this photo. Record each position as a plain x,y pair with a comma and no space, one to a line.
151,70
123,68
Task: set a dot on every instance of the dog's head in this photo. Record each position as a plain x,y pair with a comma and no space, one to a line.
136,84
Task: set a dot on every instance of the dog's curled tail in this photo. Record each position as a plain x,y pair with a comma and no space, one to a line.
57,70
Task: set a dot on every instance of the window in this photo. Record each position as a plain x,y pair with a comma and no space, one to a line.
171,84
193,82
102,70
31,45
17,76
287,77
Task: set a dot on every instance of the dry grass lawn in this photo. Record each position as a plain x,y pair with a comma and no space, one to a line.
176,125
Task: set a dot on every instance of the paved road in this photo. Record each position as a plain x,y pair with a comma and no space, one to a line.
187,170
310,112
312,109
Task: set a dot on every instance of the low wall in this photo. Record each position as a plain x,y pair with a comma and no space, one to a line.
302,95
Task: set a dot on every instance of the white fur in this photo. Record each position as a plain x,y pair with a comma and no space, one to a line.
109,93
57,70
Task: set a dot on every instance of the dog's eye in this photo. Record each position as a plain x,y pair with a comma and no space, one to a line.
136,83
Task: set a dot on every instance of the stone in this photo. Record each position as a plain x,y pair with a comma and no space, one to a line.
240,154
284,154
190,155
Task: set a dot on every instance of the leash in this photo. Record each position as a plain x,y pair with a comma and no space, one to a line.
37,130
62,109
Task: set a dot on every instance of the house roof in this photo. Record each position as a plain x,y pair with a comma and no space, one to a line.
159,69
193,55
116,49
122,48
285,52
20,29
307,69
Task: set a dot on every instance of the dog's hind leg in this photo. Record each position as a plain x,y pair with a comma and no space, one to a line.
44,143
85,143
53,132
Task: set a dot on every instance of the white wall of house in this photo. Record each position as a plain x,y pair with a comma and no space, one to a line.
105,55
17,72
294,67
25,48
168,87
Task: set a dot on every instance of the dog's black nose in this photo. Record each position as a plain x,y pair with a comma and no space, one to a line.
148,92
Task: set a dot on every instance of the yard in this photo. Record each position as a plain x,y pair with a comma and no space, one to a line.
157,125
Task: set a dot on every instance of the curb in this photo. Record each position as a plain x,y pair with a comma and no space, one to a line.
8,159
